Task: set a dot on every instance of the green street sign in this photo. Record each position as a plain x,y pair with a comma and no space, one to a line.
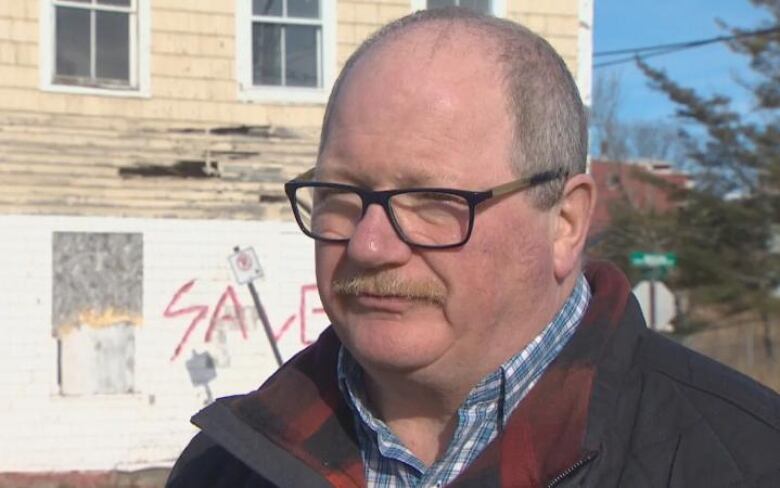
653,259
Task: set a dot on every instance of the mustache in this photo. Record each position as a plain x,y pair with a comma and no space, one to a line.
388,284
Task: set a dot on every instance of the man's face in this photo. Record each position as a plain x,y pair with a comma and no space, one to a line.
410,116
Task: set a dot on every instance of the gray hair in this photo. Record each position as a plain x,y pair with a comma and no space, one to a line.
550,129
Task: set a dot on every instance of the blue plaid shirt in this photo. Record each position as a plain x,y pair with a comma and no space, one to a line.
388,463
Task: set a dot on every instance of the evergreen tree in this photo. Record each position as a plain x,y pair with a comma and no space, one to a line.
727,230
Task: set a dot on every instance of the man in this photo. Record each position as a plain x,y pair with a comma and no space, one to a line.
450,206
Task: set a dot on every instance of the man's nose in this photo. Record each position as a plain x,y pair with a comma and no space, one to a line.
375,243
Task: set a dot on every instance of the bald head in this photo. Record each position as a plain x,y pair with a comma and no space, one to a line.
538,93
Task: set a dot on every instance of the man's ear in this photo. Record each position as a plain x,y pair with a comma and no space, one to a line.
572,217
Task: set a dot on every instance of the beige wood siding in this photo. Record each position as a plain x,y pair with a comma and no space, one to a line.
555,20
192,60
65,153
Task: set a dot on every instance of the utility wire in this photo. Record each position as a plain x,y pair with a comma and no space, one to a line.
695,43
629,59
661,49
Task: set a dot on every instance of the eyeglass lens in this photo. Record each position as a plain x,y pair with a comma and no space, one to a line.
421,217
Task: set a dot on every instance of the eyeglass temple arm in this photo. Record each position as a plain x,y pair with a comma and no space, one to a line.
306,175
524,183
510,187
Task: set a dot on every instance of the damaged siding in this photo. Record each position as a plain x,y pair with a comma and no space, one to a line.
77,165
190,149
118,312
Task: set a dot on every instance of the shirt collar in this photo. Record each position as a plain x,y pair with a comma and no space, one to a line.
507,383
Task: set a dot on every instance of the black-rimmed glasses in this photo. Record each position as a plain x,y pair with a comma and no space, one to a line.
433,218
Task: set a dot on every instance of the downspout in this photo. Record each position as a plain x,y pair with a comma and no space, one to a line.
585,55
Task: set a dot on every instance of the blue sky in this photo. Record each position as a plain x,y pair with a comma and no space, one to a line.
710,69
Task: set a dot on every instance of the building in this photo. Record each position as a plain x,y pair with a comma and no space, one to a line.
634,183
140,141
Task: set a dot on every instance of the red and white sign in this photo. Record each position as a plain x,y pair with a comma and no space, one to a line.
245,265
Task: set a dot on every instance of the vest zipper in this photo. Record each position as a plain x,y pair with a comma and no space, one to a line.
590,456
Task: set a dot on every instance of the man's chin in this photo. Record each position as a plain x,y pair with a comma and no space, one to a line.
386,345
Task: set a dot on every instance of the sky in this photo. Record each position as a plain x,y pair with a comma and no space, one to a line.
620,24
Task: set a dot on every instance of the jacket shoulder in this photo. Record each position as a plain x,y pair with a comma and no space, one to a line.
696,375
717,425
204,463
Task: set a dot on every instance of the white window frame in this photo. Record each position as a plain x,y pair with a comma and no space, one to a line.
585,51
498,7
139,52
248,92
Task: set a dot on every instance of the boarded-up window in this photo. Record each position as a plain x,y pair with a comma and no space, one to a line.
97,296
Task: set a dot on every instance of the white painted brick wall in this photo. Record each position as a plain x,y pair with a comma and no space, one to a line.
45,431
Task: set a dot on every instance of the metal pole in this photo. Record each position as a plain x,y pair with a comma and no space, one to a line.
266,325
653,325
263,318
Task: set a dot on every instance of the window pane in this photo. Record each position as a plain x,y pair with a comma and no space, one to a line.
266,54
301,55
441,3
303,8
112,34
482,6
267,7
72,38
118,3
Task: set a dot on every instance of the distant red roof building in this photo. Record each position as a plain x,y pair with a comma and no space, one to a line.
628,183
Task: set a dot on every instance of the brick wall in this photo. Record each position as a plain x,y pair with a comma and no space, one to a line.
44,430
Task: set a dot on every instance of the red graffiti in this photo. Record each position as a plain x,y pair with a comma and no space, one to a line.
287,323
305,313
201,311
216,317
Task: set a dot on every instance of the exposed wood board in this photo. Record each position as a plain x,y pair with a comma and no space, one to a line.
70,165
276,213
160,145
117,196
87,200
217,187
129,139
52,156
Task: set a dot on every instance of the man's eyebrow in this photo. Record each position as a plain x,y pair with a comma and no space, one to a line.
422,177
335,175
419,177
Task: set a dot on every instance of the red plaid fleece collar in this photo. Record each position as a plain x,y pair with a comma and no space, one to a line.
301,409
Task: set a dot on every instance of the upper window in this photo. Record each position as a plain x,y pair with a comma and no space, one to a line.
285,49
482,6
492,7
94,45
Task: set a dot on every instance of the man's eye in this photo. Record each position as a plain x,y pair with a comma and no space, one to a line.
435,199
443,197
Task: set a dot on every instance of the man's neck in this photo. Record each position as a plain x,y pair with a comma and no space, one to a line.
423,416
421,408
